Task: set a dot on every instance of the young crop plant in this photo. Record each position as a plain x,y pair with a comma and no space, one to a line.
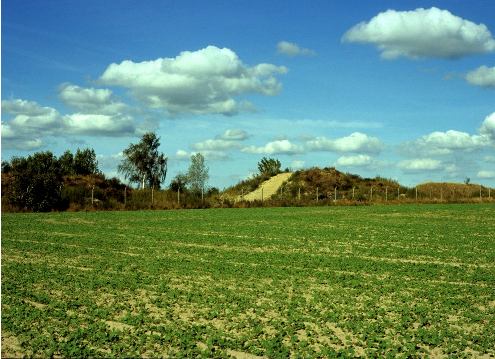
379,281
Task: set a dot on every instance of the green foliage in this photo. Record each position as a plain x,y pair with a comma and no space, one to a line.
375,281
66,163
84,162
269,166
179,182
35,182
143,163
197,174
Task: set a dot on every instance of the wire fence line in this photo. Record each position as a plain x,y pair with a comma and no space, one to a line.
370,194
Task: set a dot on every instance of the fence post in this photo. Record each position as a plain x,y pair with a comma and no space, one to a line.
316,194
202,195
353,192
299,194
152,195
416,194
261,193
386,194
92,195
398,193
371,191
178,195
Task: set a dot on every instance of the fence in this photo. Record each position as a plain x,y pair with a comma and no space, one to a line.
369,194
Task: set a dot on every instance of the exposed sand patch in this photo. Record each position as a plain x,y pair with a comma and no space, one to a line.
35,304
11,346
243,355
267,188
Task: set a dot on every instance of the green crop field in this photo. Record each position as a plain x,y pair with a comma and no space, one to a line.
275,282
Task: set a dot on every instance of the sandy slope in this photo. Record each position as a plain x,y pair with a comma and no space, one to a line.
269,187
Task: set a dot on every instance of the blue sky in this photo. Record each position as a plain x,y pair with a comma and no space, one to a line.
404,90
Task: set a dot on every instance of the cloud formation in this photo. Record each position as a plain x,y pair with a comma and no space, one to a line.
488,127
90,100
483,76
29,124
275,147
355,142
422,33
354,161
292,49
450,142
195,82
231,138
420,165
485,174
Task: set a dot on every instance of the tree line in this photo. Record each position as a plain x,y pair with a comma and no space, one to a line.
44,182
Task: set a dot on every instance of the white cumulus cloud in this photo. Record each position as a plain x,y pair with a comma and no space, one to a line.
486,174
196,82
483,76
354,161
355,142
420,165
90,100
488,127
26,124
275,147
445,143
422,33
230,139
293,49
98,124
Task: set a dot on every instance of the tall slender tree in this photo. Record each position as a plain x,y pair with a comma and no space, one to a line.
197,175
143,163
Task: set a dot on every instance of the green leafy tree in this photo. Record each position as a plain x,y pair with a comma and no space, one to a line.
66,162
85,162
269,166
179,183
197,174
143,163
36,182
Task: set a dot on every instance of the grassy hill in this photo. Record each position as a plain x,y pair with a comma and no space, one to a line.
322,183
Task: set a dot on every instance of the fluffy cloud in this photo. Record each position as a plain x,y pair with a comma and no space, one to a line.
483,76
275,147
445,143
197,82
422,33
486,174
354,161
229,139
234,135
29,123
488,127
90,100
355,142
292,49
420,165
98,125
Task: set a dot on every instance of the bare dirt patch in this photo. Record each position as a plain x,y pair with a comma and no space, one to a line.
242,355
35,304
